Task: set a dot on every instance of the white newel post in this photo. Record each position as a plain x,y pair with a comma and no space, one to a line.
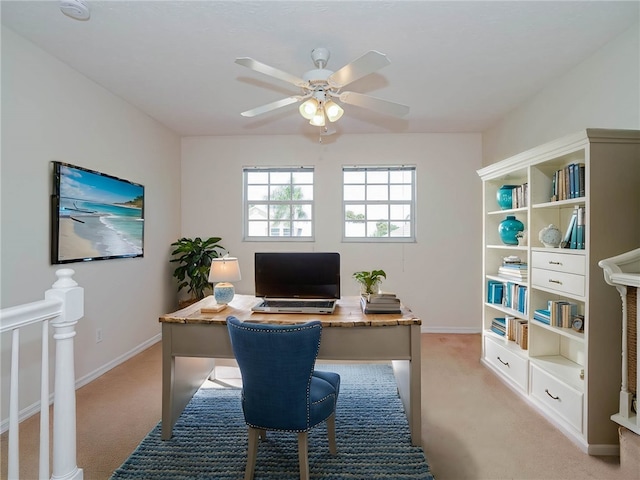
64,409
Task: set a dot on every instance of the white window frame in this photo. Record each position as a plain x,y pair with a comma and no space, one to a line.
247,205
389,203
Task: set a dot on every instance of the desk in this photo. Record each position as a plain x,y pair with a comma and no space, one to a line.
191,340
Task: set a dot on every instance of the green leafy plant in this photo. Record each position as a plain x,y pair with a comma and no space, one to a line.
369,281
194,261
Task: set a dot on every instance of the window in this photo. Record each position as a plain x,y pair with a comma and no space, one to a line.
379,203
278,203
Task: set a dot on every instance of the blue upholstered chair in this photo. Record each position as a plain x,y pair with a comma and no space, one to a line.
280,389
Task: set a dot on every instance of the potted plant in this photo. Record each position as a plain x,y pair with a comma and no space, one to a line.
194,261
369,281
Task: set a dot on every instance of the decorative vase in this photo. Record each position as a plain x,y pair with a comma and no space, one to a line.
504,196
509,229
550,236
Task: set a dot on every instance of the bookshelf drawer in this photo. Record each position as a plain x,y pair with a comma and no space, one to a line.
559,262
509,363
565,401
558,281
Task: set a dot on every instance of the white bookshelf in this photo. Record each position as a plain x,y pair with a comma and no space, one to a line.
572,378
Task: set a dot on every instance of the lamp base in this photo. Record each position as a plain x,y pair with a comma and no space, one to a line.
223,293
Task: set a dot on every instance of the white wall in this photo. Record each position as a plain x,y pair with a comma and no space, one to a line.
438,276
50,112
601,92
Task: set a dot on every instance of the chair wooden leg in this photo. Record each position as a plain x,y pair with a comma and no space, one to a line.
252,452
331,433
303,455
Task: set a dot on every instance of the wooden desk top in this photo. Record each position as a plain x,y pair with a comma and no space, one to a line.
348,313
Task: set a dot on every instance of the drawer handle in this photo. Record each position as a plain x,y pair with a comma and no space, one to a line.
504,363
547,392
555,281
554,263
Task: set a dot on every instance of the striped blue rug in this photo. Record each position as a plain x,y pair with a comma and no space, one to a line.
210,438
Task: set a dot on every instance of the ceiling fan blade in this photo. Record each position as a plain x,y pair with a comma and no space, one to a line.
373,103
271,106
360,67
271,71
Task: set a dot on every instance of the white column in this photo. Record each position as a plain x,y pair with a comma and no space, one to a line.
64,403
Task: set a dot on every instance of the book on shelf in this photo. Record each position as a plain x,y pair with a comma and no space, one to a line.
522,333
384,297
515,273
516,297
566,240
543,316
574,237
568,182
562,313
580,229
498,325
368,307
495,292
513,267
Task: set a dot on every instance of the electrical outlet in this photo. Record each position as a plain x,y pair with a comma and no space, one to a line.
98,335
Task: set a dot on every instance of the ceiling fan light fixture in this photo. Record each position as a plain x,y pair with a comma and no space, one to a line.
318,119
333,110
309,108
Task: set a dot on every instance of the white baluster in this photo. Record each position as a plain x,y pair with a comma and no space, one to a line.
44,404
13,472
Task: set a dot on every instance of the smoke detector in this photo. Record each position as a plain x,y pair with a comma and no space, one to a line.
76,9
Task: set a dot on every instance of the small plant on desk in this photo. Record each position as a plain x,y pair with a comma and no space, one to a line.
369,281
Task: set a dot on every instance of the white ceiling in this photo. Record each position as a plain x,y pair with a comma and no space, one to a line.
459,65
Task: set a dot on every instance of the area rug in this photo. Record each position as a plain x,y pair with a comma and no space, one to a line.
210,438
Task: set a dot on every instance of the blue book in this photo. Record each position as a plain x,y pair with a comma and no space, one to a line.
572,181
542,316
498,331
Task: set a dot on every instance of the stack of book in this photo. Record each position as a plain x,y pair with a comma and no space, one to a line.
522,333
568,182
498,326
517,331
557,314
514,268
380,303
515,297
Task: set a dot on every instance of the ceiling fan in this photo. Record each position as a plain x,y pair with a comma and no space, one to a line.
321,88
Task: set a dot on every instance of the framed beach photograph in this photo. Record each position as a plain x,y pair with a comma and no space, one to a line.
94,216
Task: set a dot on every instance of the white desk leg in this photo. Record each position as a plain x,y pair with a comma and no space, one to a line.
409,381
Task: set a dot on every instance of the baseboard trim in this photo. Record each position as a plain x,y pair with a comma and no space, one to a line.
34,408
80,382
467,330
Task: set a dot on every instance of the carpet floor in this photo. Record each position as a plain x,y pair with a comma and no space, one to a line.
210,438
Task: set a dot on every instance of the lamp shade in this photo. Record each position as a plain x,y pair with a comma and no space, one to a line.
308,109
225,269
333,111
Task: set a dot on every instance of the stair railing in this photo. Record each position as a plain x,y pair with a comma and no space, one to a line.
62,307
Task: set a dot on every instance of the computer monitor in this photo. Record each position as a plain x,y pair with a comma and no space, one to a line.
297,274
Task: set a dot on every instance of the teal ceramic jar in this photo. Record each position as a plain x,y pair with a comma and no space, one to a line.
509,228
504,196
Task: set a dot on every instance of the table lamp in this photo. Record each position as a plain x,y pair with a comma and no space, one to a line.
223,271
